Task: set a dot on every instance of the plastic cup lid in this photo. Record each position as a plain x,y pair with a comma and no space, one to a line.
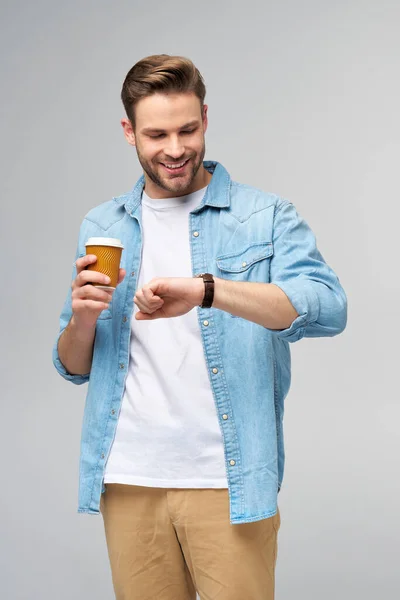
103,241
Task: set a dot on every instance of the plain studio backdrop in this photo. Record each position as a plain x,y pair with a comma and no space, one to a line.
304,101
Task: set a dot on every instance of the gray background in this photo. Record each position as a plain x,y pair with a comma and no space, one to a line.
304,102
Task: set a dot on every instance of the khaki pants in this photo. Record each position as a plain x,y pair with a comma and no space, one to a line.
164,544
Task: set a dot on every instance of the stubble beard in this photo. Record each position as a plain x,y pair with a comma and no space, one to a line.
177,185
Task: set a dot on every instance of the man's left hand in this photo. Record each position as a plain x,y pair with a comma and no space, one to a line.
168,297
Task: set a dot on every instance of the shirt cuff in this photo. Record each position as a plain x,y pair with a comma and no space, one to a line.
77,379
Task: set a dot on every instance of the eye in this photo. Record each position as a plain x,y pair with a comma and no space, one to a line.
188,131
156,137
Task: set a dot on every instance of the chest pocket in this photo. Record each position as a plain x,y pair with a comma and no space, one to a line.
250,264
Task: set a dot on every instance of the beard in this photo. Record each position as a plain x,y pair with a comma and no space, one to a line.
173,184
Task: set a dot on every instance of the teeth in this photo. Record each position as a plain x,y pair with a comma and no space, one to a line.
175,166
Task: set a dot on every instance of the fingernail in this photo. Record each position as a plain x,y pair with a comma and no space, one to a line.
107,280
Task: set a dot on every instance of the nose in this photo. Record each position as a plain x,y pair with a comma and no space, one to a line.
174,149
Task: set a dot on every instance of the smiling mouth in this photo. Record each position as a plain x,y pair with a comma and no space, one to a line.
175,167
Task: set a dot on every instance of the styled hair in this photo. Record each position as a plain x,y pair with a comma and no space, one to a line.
160,73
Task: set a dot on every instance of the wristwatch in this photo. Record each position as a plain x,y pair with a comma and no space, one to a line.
208,279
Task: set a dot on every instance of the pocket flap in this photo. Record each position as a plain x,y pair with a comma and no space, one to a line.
241,261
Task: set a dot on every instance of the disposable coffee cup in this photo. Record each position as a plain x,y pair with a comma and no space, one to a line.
108,252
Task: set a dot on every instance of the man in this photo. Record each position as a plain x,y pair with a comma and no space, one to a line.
188,360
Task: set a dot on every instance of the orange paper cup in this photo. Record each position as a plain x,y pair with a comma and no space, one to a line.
108,252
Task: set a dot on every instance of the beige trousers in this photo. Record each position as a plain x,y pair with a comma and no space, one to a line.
164,544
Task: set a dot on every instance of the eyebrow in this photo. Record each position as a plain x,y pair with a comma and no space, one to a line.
156,130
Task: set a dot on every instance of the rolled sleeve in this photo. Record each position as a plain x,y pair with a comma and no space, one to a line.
299,270
304,299
66,315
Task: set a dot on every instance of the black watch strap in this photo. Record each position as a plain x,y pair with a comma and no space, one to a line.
208,299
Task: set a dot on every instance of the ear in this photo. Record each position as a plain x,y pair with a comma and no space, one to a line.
205,117
128,131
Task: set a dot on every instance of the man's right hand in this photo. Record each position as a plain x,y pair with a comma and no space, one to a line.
88,301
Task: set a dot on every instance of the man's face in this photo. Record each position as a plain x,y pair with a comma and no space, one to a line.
169,139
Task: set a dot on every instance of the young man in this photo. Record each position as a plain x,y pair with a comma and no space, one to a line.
189,364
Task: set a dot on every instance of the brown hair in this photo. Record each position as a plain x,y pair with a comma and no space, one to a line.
160,73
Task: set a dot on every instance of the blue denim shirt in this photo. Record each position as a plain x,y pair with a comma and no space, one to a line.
238,233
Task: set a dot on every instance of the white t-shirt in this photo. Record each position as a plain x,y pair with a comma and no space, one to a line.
168,433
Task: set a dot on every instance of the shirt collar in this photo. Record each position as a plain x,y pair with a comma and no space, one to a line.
217,193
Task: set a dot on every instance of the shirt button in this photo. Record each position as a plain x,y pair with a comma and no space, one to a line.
205,323
244,264
121,366
113,412
102,456
132,274
125,319
232,463
196,234
224,417
215,371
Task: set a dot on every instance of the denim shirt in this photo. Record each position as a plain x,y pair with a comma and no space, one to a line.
238,233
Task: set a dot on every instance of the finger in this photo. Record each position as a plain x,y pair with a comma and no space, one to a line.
144,308
121,276
85,277
148,305
82,262
149,311
141,306
150,297
141,316
91,292
89,305
148,294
